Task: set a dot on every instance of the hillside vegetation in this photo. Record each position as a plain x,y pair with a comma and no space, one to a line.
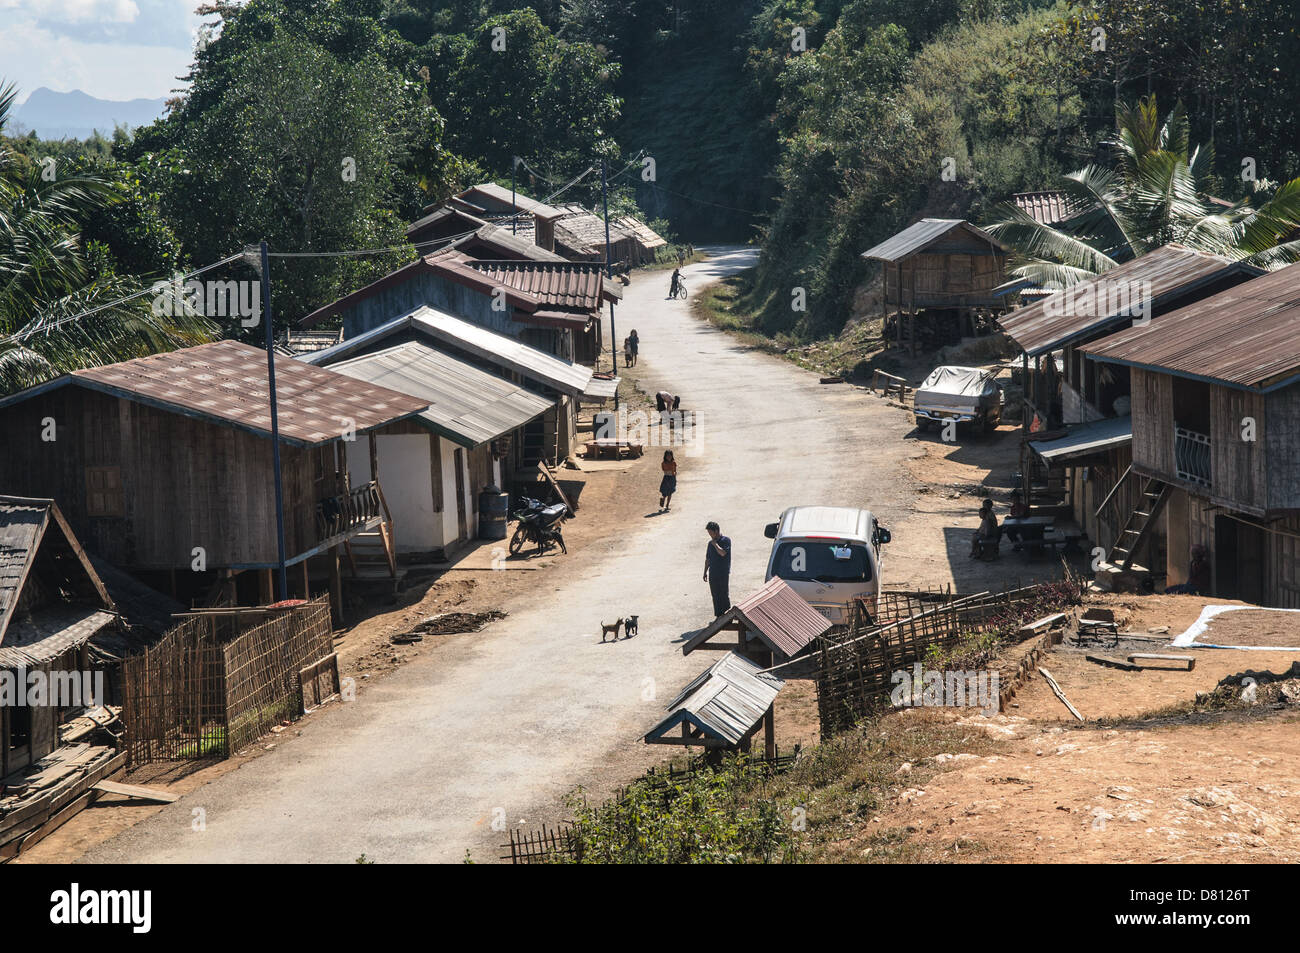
815,128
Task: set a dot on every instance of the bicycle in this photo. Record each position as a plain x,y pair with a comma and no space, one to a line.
681,290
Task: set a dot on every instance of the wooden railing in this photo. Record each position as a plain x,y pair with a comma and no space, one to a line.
1192,458
338,514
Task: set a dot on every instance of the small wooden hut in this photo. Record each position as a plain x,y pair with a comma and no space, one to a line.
944,269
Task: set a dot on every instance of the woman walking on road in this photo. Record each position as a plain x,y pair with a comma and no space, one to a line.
668,485
633,345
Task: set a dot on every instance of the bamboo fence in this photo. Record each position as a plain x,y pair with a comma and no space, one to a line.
220,679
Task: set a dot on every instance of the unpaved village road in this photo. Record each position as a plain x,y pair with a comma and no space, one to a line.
505,724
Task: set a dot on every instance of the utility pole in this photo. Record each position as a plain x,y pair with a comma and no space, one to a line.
514,213
283,582
609,273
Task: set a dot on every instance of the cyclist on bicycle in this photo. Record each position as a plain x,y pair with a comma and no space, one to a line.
672,289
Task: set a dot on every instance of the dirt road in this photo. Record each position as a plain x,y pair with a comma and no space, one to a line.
501,727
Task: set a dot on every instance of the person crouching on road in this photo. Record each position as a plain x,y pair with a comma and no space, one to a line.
668,485
666,401
717,569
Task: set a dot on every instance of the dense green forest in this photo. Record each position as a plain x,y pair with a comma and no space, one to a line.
812,127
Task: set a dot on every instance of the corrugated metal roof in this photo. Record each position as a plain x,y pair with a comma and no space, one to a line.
1048,207
576,285
1088,438
506,243
725,701
445,212
927,231
503,196
466,405
1166,271
1245,336
226,382
497,349
777,614
602,388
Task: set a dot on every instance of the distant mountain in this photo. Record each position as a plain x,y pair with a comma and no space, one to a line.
76,115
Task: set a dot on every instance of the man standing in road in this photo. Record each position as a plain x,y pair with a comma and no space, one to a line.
717,569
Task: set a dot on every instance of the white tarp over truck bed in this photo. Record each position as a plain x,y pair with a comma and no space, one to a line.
956,391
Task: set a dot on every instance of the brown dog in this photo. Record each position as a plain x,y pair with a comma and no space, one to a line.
607,627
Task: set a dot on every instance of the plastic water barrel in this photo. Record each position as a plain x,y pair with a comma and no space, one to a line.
493,510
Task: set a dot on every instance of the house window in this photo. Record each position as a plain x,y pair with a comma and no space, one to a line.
104,492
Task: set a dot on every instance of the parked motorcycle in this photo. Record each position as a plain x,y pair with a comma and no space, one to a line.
538,524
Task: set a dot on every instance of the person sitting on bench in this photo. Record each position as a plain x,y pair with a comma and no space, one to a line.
985,540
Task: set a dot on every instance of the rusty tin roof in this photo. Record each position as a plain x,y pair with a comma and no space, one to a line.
1244,337
226,382
1163,273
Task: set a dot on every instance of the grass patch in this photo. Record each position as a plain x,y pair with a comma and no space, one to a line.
733,305
823,809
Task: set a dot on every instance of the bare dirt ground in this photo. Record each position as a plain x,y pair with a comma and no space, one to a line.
1222,792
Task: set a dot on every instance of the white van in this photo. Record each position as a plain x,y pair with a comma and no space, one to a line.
830,555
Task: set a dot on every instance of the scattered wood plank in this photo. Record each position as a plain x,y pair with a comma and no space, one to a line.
550,478
1189,659
1059,694
832,380
1046,622
136,791
1113,663
1138,637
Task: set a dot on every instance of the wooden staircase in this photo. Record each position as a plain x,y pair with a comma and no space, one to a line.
1139,523
372,554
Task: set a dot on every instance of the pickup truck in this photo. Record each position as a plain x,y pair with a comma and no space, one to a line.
968,395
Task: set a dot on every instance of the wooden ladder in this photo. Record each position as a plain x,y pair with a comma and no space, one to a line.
1138,525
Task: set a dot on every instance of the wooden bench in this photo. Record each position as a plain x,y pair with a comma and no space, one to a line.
613,448
892,385
1057,539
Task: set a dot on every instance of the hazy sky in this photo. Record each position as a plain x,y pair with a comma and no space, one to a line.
113,49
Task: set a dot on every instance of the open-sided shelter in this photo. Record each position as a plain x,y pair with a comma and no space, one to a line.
723,707
773,624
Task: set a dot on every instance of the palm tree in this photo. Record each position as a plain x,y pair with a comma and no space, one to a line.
1154,196
55,314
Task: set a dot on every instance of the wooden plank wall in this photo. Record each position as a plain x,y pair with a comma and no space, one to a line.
1282,564
1153,422
1282,445
185,482
1238,465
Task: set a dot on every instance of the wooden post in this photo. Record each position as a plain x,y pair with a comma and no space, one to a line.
336,586
769,732
266,587
306,582
374,457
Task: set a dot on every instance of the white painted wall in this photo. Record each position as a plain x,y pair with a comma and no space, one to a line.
405,475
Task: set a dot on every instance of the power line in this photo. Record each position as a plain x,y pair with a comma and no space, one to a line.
40,328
